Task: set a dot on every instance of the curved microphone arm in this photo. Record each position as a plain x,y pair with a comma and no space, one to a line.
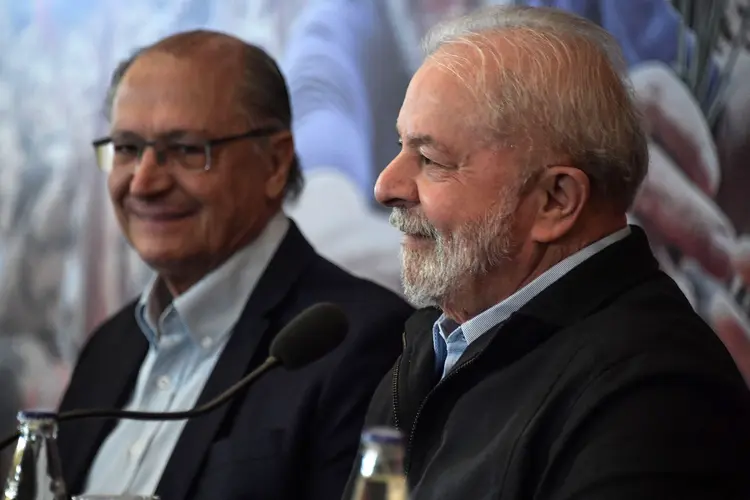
220,400
8,441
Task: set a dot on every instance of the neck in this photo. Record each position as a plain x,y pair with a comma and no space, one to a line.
531,260
179,278
184,276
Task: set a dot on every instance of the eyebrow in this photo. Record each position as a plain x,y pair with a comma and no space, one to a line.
168,135
415,141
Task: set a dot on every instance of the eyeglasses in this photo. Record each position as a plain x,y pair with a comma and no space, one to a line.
193,155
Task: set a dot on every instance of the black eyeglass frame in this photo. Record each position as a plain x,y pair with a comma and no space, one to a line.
207,144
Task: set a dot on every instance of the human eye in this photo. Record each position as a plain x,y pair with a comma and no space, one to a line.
125,149
426,162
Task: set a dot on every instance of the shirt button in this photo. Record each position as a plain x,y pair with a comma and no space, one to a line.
163,383
137,449
207,342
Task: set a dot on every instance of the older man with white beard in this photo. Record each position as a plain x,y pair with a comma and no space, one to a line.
552,358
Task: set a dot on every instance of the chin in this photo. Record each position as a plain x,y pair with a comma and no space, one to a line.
159,257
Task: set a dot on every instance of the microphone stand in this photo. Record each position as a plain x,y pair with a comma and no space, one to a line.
198,411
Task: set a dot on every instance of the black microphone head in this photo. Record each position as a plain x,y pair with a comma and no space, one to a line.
310,336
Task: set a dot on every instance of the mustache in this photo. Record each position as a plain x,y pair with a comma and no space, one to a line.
413,224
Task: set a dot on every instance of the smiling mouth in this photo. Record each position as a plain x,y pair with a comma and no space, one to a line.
416,239
162,216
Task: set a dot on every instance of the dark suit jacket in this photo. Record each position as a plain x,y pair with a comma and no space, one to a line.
605,386
292,435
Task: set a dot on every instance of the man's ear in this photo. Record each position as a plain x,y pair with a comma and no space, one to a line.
282,156
565,191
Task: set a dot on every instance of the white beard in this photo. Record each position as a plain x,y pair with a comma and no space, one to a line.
432,276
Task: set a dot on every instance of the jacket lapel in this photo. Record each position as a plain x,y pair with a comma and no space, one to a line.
79,440
245,350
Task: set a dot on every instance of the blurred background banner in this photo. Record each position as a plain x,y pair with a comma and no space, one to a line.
64,266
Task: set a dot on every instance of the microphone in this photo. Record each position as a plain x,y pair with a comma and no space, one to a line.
308,337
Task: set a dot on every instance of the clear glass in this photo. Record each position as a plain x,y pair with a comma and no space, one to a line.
35,472
381,474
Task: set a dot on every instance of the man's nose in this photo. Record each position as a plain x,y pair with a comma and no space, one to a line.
396,186
151,174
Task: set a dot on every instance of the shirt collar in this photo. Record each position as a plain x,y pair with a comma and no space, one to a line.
210,308
481,323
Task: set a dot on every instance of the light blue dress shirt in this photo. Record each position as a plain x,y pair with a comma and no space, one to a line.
186,338
451,340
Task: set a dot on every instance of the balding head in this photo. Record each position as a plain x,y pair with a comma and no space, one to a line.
554,83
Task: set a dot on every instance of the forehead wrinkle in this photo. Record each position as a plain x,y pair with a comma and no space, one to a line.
466,63
441,103
443,96
417,139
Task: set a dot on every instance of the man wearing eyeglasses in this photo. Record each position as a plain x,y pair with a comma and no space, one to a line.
198,162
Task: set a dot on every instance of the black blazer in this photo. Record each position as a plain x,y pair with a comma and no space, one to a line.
292,435
605,386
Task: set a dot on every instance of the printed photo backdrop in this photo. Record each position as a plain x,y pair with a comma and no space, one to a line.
64,266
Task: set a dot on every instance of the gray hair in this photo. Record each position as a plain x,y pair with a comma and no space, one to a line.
262,94
571,97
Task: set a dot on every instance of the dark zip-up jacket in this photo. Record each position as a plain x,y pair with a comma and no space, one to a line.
606,386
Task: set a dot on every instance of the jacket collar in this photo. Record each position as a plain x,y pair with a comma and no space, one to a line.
578,293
